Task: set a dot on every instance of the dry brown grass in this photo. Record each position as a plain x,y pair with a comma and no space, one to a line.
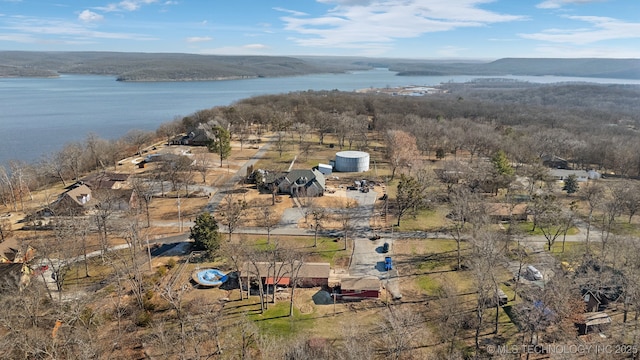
256,202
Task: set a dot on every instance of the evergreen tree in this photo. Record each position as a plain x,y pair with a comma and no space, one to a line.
205,234
220,143
571,184
501,164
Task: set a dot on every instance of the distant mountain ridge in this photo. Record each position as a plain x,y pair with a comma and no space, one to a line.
192,67
156,67
583,67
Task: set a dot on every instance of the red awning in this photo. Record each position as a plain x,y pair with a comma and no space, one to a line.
281,281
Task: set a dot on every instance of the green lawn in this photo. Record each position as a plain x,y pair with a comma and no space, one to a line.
526,227
327,250
625,228
276,321
424,220
570,249
428,285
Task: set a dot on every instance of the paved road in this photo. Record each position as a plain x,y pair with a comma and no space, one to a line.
237,177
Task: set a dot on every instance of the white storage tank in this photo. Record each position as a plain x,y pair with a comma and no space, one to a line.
352,161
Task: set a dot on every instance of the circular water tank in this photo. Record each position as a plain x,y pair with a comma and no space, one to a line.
352,161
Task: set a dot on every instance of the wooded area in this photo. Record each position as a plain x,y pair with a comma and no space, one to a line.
465,193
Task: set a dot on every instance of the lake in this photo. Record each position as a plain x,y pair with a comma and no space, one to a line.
37,116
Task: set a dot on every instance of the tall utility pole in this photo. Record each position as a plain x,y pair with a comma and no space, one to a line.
179,214
149,253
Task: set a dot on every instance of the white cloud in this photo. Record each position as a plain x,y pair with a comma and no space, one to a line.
197,39
556,4
90,16
41,30
373,25
291,12
602,28
126,5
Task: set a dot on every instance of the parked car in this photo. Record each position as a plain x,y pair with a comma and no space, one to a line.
387,263
533,273
385,248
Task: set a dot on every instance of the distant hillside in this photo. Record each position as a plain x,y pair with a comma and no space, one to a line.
155,67
190,67
21,71
597,68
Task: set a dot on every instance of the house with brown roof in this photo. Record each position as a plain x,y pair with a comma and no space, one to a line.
81,199
505,211
75,200
357,288
104,180
279,273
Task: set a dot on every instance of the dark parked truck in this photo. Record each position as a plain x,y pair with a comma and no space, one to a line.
387,263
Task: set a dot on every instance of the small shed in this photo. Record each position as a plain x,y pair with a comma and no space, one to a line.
325,169
593,322
353,288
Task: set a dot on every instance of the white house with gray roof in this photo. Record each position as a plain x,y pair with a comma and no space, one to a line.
562,175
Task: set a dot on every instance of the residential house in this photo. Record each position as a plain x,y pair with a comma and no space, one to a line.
14,271
105,180
81,199
555,162
505,212
302,183
354,288
117,200
562,175
279,273
196,137
75,200
14,275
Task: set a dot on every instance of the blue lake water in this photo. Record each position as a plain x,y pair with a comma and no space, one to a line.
38,116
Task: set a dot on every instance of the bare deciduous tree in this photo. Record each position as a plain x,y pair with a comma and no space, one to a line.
232,212
402,150
398,331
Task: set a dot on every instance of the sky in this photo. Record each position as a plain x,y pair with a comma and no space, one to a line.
420,29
